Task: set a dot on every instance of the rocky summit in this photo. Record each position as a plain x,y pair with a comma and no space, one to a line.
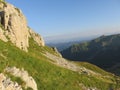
15,27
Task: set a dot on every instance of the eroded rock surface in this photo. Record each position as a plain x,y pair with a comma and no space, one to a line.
29,81
15,27
69,65
2,36
37,38
7,84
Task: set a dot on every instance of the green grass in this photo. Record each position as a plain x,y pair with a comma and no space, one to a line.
16,79
47,75
93,68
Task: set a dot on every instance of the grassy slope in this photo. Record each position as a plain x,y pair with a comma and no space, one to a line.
47,75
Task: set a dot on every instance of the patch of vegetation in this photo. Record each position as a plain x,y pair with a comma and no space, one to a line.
29,88
39,49
17,10
16,79
3,1
93,68
47,75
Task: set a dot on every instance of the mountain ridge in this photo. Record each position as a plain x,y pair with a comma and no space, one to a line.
103,51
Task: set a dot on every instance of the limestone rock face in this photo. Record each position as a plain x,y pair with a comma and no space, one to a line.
1,5
7,84
37,38
2,36
15,27
30,82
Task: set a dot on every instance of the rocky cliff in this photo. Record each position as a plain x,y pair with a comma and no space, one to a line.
13,27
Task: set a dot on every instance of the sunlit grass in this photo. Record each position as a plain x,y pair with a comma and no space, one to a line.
47,75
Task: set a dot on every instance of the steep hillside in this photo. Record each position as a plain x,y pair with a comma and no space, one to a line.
103,51
31,65
50,75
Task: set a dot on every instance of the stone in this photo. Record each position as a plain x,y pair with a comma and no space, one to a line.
55,50
69,65
7,84
30,82
37,38
2,36
15,27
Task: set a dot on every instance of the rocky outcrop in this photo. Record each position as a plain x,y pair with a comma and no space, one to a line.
7,84
70,65
55,50
36,37
15,27
29,81
2,36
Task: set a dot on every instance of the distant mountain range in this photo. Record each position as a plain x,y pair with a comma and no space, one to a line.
67,43
103,51
63,45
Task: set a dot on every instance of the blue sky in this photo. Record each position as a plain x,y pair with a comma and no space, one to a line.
64,17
